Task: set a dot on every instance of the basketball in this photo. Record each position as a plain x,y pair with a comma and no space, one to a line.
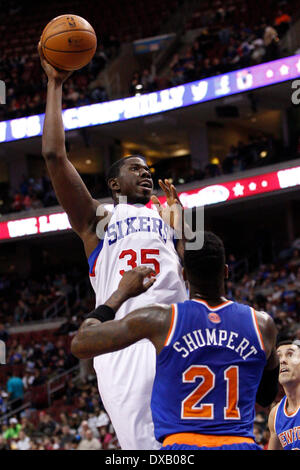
68,42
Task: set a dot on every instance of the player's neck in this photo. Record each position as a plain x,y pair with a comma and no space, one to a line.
293,397
213,296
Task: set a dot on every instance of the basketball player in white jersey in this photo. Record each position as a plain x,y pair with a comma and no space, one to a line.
132,236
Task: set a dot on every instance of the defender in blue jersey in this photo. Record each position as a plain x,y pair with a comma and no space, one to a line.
215,358
284,418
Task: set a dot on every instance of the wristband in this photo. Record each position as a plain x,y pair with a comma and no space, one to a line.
102,313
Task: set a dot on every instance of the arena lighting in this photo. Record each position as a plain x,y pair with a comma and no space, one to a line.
148,104
204,196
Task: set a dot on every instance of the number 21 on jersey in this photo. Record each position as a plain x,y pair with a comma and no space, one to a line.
191,408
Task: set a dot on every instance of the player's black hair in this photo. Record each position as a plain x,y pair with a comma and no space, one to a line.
288,341
207,263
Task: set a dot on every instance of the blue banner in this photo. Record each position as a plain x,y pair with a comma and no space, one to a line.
148,104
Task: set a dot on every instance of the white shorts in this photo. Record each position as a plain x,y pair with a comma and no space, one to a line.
125,381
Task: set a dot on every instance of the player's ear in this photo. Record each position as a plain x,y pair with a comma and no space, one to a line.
226,271
113,184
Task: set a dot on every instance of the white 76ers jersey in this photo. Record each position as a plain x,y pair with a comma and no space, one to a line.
135,236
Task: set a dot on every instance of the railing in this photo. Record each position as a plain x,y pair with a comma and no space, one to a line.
246,265
45,391
12,413
64,302
58,382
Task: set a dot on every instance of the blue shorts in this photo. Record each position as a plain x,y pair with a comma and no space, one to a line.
242,446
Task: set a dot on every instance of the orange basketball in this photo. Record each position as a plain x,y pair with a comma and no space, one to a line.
68,42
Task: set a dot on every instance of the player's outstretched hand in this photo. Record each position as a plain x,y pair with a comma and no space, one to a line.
172,213
52,73
134,282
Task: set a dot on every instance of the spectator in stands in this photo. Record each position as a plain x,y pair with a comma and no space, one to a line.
4,444
39,378
148,81
66,436
15,390
282,22
89,442
84,426
23,442
27,427
3,333
271,43
71,392
46,426
13,430
102,424
22,312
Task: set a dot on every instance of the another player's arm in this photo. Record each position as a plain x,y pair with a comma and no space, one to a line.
69,188
95,338
173,215
268,386
274,442
153,322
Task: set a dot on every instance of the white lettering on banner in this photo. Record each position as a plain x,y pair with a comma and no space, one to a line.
94,113
199,91
19,228
3,126
177,96
289,178
18,128
70,119
33,126
56,222
114,110
211,195
131,107
223,87
84,116
244,80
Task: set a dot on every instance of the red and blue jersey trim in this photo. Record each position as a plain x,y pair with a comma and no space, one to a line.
92,259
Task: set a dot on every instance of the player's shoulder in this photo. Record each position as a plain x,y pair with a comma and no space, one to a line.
265,321
155,307
272,416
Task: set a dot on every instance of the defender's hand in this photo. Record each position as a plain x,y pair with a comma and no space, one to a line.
59,76
132,282
172,214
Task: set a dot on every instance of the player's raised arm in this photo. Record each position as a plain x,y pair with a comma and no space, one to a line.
69,188
97,335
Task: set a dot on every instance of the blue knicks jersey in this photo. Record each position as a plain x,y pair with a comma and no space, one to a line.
208,373
287,426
